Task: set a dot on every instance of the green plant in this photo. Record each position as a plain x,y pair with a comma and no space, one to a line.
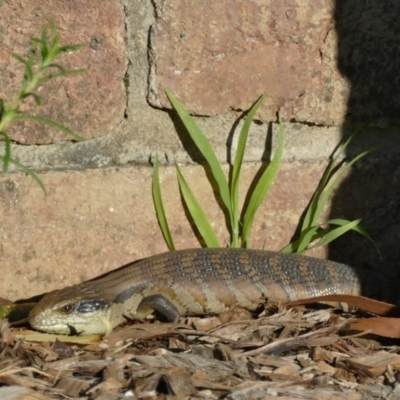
228,190
312,233
39,68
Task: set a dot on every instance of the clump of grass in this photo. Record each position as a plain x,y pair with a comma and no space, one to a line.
312,233
227,189
40,67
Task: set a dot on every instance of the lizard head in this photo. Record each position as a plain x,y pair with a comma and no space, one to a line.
72,311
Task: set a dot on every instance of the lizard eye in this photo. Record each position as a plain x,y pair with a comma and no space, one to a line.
67,309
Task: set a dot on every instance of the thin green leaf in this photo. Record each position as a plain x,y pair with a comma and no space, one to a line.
55,37
54,52
53,27
263,186
196,212
202,144
237,165
28,172
331,187
338,221
8,116
306,239
19,58
28,76
51,123
60,75
301,244
7,151
2,109
310,218
358,228
43,37
29,67
324,191
290,248
35,96
57,66
337,232
43,42
313,211
344,146
159,207
36,41
312,215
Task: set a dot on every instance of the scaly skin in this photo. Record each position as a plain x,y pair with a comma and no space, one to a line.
190,282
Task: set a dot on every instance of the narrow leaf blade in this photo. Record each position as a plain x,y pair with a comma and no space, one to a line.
335,233
263,186
332,186
30,173
159,206
7,151
197,213
237,165
204,147
358,228
51,123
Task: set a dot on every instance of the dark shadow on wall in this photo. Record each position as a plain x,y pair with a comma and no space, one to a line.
369,57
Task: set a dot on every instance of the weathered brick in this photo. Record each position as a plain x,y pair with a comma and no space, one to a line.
90,103
218,56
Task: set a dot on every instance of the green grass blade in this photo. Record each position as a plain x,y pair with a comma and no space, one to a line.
300,245
35,96
159,207
197,213
73,72
237,165
2,112
204,147
57,66
7,151
325,191
51,123
340,222
333,234
314,211
55,37
344,146
263,186
19,58
331,187
311,217
358,228
43,43
28,172
290,248
307,238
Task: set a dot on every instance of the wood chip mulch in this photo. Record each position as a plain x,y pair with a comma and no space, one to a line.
284,353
